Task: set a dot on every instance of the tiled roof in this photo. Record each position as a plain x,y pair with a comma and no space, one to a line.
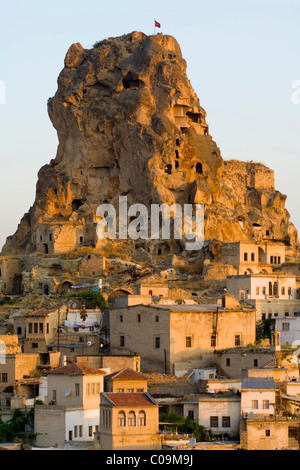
42,312
74,369
126,374
258,382
130,399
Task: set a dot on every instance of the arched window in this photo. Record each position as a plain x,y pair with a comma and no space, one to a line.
275,289
122,419
142,418
270,288
131,419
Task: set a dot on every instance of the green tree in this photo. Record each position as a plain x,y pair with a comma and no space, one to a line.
264,329
94,298
185,426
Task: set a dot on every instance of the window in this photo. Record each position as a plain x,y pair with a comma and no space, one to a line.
139,318
121,390
19,330
285,327
252,256
70,436
213,340
88,389
266,404
225,421
122,341
75,431
255,404
157,342
245,256
237,340
268,433
264,290
289,291
263,316
29,327
41,328
151,292
283,291
130,390
255,363
141,418
97,388
121,419
156,318
227,361
188,342
140,390
35,327
257,290
121,318
214,422
92,389
77,390
4,377
47,328
90,431
131,419
191,414
34,345
80,430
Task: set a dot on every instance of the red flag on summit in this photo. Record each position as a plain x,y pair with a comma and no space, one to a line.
157,24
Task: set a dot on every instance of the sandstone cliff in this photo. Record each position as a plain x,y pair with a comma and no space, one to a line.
129,123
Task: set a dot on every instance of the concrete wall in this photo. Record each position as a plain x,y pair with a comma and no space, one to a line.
110,363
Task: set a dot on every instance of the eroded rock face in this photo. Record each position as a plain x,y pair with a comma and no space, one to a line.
130,124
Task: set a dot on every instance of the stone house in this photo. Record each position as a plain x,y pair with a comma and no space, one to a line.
126,381
72,411
275,308
269,433
252,257
231,362
41,326
129,421
166,336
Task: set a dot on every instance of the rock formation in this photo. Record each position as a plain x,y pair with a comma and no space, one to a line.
130,124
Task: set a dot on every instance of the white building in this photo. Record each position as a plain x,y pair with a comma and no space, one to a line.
219,414
270,286
289,328
72,413
258,396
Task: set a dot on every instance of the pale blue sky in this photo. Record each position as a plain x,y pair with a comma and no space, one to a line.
243,57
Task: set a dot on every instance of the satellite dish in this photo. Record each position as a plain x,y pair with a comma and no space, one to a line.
67,392
89,343
192,442
250,415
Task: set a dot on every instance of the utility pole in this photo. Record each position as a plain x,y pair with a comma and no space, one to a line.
58,328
